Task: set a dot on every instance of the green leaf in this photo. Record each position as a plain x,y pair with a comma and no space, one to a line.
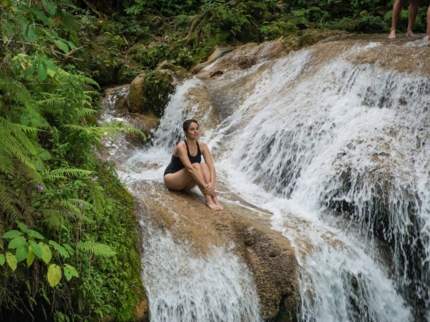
36,249
12,234
17,242
34,234
68,274
11,261
2,259
50,7
22,227
71,45
60,249
30,257
46,252
41,16
62,45
29,71
41,71
31,35
54,274
69,249
21,253
72,270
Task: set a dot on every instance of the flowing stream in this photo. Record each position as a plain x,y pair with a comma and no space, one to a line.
336,149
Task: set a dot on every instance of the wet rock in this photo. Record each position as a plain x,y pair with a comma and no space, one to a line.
135,98
268,255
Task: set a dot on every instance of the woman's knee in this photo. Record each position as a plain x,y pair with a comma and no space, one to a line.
196,166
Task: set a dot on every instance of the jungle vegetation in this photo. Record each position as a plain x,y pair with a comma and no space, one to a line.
68,230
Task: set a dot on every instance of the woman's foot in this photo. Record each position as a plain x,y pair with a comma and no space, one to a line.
392,34
210,203
216,201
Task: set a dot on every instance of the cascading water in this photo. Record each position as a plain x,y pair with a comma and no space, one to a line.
314,139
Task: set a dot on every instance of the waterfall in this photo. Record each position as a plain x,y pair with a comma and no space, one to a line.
337,151
186,288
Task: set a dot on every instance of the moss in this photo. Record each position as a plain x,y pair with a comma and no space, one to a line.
116,281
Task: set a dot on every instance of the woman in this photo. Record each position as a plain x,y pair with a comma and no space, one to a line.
186,171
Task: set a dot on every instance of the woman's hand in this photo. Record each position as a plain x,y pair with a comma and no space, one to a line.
208,190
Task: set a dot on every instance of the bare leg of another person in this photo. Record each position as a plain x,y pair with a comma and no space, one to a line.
412,15
428,23
397,9
208,178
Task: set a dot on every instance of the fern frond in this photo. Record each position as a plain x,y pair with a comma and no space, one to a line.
98,199
51,100
8,202
17,91
97,249
14,141
118,127
1,233
85,111
6,163
52,217
62,173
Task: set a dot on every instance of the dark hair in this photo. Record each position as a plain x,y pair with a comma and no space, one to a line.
187,123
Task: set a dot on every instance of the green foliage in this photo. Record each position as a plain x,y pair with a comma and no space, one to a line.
48,174
22,245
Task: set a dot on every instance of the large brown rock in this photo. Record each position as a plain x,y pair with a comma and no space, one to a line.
268,255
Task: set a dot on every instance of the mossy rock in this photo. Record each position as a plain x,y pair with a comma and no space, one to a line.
149,92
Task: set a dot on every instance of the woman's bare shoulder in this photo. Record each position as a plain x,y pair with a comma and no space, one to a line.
179,147
203,146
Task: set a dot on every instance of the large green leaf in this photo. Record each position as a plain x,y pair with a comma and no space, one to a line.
2,259
41,71
49,7
72,270
63,46
41,16
31,35
17,242
12,234
35,234
21,253
11,261
22,227
54,274
30,257
60,249
46,252
36,249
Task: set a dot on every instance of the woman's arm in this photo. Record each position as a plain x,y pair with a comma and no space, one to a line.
196,175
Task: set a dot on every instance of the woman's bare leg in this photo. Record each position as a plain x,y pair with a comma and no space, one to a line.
207,176
182,180
178,180
209,201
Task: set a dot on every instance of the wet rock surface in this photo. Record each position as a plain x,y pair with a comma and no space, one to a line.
268,255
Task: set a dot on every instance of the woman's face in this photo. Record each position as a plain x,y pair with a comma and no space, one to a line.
193,131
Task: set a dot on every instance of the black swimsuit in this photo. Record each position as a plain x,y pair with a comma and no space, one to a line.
176,164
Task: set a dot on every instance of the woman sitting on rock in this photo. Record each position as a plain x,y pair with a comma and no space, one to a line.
186,171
